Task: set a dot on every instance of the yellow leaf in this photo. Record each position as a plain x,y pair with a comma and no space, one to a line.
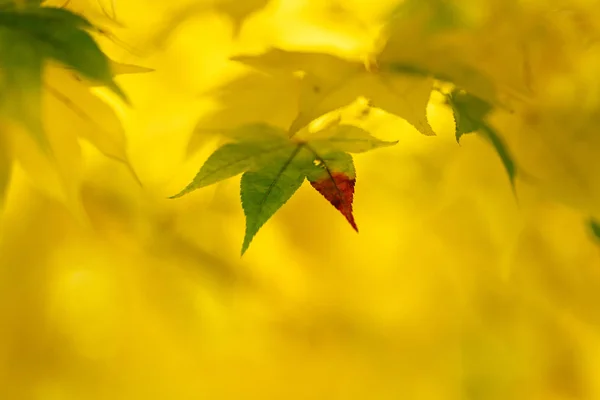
88,116
58,174
496,50
249,99
330,83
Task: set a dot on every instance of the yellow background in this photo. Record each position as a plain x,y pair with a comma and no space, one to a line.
452,290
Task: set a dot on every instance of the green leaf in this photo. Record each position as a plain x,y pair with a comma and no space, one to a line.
469,112
502,151
233,159
21,84
265,190
346,138
58,35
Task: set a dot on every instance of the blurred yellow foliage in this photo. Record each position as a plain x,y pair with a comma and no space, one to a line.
454,289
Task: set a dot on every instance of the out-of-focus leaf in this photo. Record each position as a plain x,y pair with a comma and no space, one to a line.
56,172
489,48
256,132
90,117
502,151
233,109
33,36
21,83
59,35
469,114
330,82
346,138
594,227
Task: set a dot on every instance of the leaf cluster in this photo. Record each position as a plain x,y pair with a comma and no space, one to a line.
275,166
398,79
49,57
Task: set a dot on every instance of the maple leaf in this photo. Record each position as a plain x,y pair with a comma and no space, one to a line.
274,167
331,82
92,118
46,82
469,114
265,190
333,175
345,138
486,48
233,108
29,38
234,158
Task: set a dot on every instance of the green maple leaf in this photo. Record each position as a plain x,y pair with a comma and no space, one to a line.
265,190
331,82
30,37
274,167
257,142
470,113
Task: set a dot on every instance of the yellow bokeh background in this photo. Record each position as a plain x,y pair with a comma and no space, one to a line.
454,288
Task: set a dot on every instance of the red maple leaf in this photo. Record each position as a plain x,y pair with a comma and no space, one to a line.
338,189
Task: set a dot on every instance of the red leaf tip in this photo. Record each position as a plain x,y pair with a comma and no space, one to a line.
338,189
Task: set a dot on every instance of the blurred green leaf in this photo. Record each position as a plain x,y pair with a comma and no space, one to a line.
469,114
29,38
